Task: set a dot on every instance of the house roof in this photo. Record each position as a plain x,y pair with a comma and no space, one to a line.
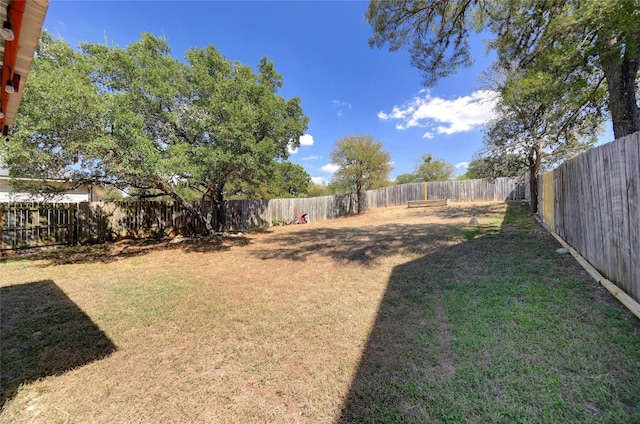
26,17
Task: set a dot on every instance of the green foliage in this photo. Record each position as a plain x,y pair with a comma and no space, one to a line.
435,31
508,165
317,190
60,105
363,164
278,221
537,124
111,194
576,46
406,179
287,179
434,169
137,118
429,169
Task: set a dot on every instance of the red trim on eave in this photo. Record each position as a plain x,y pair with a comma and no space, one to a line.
14,15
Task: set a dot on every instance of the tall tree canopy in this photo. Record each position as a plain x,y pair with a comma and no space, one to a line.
428,169
363,165
584,43
136,117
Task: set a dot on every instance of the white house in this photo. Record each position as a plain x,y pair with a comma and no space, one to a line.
77,195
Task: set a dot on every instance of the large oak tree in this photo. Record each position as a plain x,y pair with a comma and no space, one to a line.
135,117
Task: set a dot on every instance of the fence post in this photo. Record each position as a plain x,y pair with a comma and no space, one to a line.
71,224
426,191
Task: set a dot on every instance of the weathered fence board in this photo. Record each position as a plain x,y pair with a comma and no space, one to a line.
595,204
475,190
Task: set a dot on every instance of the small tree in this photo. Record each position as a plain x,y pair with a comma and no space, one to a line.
434,169
363,164
538,122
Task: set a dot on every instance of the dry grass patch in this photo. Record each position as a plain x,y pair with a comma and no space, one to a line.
308,323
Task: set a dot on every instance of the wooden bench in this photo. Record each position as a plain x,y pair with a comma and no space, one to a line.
427,203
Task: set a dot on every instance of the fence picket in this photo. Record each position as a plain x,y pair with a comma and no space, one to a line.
597,209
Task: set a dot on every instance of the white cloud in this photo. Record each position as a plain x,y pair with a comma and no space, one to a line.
330,168
462,114
311,157
319,180
305,140
460,165
341,107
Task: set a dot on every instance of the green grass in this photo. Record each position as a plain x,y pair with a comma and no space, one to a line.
532,339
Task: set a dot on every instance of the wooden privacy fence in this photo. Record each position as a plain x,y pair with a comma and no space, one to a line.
37,225
593,203
458,191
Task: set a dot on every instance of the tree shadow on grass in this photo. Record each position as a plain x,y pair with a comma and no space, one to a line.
43,333
359,245
485,330
128,248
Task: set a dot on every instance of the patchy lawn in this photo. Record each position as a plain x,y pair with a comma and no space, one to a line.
399,315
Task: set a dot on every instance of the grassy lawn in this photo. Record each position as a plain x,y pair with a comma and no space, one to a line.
399,315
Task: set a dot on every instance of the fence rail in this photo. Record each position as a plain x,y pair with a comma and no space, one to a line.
593,203
25,225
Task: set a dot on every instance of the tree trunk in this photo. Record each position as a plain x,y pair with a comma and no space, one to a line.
194,212
218,206
533,188
359,199
535,160
621,74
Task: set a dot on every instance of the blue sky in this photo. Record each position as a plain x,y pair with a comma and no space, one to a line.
321,49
